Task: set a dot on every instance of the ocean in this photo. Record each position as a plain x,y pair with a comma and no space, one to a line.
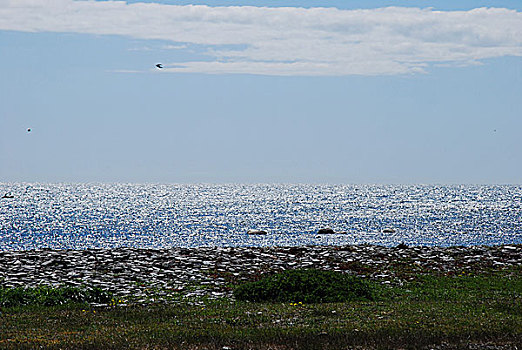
82,216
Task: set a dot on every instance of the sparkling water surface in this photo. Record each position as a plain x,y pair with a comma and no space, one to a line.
79,216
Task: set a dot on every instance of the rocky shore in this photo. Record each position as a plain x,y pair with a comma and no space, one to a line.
145,275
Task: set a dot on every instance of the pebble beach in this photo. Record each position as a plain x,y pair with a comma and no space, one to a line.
162,275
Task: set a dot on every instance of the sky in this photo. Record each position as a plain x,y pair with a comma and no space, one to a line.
264,91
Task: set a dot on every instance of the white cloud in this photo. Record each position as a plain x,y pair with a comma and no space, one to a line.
287,41
174,47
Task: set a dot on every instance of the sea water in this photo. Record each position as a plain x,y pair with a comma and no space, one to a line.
80,216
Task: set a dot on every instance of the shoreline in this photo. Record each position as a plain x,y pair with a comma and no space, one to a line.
165,275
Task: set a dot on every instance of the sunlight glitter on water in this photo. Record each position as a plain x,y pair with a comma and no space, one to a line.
79,216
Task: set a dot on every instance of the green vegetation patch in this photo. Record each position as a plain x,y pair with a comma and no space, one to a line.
307,286
49,296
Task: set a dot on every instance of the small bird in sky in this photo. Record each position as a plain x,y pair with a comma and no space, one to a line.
159,66
29,130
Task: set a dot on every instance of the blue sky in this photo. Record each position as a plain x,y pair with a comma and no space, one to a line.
261,91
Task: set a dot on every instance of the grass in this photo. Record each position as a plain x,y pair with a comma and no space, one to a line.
309,286
429,310
49,296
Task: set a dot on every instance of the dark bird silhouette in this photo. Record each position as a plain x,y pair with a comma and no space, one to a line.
159,66
28,130
8,195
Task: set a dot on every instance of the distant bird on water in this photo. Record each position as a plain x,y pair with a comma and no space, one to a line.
159,66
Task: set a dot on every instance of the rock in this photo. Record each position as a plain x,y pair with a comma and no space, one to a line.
402,245
256,232
326,231
49,262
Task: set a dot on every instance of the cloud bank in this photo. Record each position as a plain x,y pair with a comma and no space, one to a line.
287,41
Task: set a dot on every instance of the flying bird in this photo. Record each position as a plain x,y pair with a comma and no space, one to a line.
159,66
29,130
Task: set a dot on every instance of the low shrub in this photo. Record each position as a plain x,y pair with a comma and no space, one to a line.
49,296
307,286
